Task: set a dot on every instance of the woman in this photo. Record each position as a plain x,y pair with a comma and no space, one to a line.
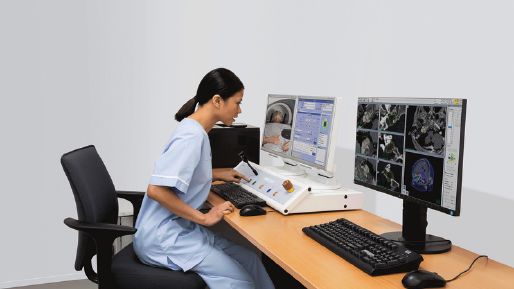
171,230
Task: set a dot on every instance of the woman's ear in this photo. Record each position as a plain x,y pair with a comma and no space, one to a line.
216,100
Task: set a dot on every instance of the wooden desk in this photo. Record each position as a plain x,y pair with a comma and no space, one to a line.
281,238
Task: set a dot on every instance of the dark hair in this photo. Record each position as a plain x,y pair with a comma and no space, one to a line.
219,81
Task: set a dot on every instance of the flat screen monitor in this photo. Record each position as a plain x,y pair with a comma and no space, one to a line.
301,129
412,148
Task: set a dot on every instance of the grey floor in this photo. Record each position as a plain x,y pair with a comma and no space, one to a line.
78,284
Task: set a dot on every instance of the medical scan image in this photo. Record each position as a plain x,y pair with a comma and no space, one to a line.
423,176
392,117
426,127
365,170
389,176
367,116
279,122
390,147
367,143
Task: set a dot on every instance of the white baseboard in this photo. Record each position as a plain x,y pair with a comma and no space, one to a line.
43,280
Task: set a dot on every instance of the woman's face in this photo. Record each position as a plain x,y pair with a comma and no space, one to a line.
230,108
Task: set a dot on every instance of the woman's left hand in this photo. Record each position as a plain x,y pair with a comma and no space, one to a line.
228,175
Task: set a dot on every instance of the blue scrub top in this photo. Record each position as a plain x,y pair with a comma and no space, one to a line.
162,238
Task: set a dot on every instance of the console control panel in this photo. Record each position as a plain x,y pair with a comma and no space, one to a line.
272,186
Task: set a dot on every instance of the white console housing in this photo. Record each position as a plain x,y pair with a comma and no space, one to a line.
268,186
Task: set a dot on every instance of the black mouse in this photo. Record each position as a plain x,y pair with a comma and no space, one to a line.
252,210
418,279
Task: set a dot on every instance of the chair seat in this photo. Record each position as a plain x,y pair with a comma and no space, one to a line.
130,273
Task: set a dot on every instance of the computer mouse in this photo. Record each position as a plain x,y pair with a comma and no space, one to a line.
418,279
252,210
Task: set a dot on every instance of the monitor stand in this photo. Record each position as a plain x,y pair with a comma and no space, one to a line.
413,234
287,169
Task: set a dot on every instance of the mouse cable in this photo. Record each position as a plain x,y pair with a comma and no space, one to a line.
481,256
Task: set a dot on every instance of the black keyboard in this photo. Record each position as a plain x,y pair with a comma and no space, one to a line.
368,251
237,195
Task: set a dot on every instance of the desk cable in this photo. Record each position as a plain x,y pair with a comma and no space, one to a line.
445,241
469,268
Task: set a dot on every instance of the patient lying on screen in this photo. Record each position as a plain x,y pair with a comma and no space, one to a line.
277,134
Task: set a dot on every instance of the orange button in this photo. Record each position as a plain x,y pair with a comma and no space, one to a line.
288,186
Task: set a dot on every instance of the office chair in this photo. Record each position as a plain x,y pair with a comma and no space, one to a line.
97,208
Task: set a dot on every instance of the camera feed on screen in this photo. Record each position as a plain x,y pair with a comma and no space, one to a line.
278,125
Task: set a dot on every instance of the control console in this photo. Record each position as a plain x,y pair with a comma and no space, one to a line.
279,192
287,194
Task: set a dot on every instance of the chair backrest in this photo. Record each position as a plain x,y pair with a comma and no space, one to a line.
95,195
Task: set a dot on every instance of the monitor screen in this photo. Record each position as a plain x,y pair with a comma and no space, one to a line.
412,148
276,137
312,130
300,128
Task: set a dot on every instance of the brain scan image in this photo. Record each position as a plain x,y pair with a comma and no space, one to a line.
367,116
426,127
365,170
390,147
367,143
389,176
392,117
423,176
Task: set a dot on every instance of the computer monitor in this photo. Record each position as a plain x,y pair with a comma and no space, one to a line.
302,130
412,148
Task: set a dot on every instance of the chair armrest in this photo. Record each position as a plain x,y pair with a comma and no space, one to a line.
100,230
136,198
103,234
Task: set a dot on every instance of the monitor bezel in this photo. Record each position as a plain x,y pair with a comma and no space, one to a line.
408,198
330,159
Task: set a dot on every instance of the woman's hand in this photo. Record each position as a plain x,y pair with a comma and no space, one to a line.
216,213
227,175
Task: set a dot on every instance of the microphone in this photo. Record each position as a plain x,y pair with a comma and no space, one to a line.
245,159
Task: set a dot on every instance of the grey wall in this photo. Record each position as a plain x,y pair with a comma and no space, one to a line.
112,73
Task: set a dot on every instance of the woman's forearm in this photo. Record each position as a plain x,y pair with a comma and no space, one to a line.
169,199
215,174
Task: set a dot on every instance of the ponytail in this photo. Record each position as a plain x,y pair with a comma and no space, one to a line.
219,81
186,110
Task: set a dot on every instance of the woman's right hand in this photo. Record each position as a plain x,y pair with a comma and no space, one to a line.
216,213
